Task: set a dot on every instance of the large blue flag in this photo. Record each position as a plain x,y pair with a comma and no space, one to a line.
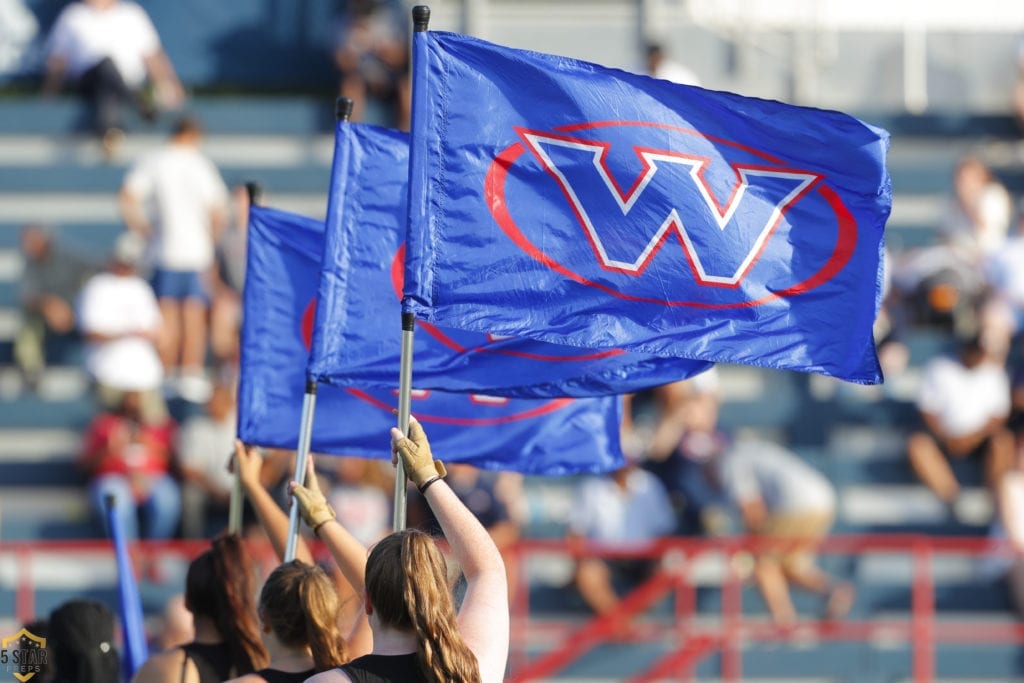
572,203
548,437
356,326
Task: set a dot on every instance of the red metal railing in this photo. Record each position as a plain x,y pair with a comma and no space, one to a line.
694,640
694,636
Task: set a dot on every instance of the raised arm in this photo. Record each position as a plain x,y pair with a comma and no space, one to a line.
274,520
484,615
347,551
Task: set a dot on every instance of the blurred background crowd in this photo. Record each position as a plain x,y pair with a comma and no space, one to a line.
134,136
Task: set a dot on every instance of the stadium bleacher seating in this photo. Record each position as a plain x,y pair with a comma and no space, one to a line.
57,177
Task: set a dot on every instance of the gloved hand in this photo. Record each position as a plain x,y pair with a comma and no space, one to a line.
417,459
313,506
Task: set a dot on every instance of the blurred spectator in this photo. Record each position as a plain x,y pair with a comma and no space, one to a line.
229,280
685,428
82,643
791,507
981,211
945,283
107,49
18,29
1002,317
964,404
50,282
660,66
120,321
372,56
361,497
176,198
625,510
204,446
131,460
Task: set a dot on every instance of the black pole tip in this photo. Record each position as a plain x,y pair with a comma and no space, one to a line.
255,192
343,108
420,18
311,385
408,322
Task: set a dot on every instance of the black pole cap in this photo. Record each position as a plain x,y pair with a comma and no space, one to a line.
255,192
343,108
420,18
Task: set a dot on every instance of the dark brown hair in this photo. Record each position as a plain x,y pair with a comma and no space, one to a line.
220,586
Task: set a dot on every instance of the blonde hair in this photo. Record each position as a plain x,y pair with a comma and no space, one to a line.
406,582
300,604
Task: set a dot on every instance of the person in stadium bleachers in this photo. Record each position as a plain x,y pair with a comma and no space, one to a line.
82,643
624,510
1002,314
372,56
204,445
789,507
658,65
220,592
229,281
176,199
689,422
417,633
109,50
52,277
120,321
130,458
964,405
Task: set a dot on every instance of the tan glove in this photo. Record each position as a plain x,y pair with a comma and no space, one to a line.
419,463
313,507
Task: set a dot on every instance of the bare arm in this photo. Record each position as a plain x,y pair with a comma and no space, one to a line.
271,516
55,69
168,88
133,214
484,615
347,551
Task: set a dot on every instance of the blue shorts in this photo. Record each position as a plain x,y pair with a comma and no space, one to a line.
179,285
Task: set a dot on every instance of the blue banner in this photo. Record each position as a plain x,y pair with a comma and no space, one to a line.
133,627
546,437
567,202
360,302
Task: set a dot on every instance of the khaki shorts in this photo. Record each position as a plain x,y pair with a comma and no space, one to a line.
801,531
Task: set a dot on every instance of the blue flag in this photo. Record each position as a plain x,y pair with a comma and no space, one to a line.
546,437
133,626
355,332
567,202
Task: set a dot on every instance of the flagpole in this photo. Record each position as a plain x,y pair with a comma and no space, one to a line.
254,191
342,112
420,22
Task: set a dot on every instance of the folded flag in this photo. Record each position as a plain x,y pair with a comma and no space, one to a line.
546,437
567,202
359,302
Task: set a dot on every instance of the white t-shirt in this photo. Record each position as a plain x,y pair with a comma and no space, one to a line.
180,188
120,304
205,445
636,514
963,400
83,35
785,483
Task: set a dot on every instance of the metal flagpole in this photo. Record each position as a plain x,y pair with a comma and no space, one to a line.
342,111
420,22
255,192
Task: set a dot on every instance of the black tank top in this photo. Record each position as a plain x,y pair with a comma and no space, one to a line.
275,676
384,669
212,661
